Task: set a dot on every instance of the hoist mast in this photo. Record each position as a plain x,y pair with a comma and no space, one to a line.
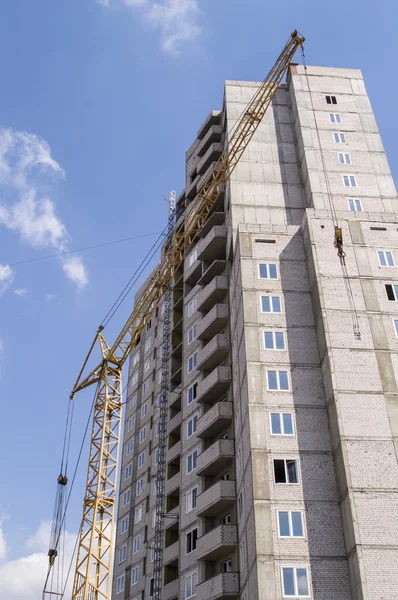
92,579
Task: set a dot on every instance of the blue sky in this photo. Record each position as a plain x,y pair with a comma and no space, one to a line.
99,102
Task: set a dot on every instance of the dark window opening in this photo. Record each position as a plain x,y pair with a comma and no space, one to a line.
331,99
391,292
193,175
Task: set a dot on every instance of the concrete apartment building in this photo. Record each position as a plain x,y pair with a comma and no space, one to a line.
282,472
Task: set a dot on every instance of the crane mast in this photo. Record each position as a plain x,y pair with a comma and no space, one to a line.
92,580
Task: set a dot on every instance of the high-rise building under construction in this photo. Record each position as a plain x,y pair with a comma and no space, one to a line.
281,462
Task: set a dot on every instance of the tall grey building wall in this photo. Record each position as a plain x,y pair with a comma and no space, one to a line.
253,510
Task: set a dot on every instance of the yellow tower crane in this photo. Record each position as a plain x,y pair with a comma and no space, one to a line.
92,579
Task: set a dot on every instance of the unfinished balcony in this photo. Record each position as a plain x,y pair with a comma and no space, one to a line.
211,155
215,420
214,353
215,321
216,218
172,487
213,245
171,590
217,267
193,271
217,543
214,385
172,516
216,499
214,292
212,136
170,553
224,586
174,424
216,458
173,453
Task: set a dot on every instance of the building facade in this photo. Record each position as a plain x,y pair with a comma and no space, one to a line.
282,471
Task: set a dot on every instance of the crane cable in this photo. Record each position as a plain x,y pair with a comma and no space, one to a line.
338,242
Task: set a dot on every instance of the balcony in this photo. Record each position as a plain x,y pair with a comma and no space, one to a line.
171,518
213,245
214,385
217,267
225,586
216,218
218,542
171,590
171,552
213,135
174,398
173,453
215,420
212,154
174,423
214,292
215,321
173,483
193,272
213,118
216,499
216,458
214,352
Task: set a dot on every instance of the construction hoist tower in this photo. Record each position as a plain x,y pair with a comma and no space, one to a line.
92,577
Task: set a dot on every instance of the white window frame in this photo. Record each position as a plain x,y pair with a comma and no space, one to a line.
136,544
227,562
126,497
395,325
187,533
145,387
135,572
136,359
282,423
191,455
351,180
385,253
128,471
192,387
278,380
194,421
296,595
192,329
192,306
124,525
134,379
144,410
133,400
192,256
290,522
142,434
120,582
147,365
271,296
193,577
267,265
344,158
147,345
130,447
139,487
334,120
131,423
190,499
194,358
353,202
141,459
285,460
274,332
339,137
137,514
122,554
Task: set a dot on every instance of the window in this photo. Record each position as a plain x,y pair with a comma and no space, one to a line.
192,393
238,461
131,423
134,575
144,410
192,361
225,520
136,544
130,447
147,365
191,461
386,259
138,514
192,306
141,459
274,340
191,582
226,566
192,257
133,400
139,486
134,379
128,471
120,584
192,334
285,470
147,345
151,587
344,158
224,476
278,380
335,118
240,506
271,304
142,434
290,523
122,554
191,538
242,554
191,497
157,456
331,99
126,497
192,425
158,428
136,359
354,205
237,419
145,387
340,138
392,292
349,181
267,271
158,401
295,582
149,325
395,321
282,424
124,525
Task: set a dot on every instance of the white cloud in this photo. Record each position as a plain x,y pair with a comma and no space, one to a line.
21,292
6,278
177,20
50,297
23,578
27,175
75,270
